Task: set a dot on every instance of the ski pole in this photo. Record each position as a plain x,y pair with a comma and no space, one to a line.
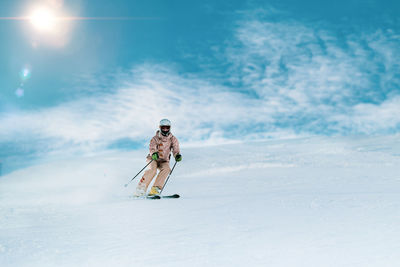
139,172
168,177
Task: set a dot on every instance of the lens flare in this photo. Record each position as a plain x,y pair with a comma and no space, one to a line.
19,92
25,74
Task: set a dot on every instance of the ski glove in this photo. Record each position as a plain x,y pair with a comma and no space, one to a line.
155,156
178,157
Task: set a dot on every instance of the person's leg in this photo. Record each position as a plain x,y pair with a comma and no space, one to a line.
147,178
162,175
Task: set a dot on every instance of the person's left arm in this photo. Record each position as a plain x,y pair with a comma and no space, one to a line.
175,149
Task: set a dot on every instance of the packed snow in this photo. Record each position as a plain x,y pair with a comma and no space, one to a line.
300,202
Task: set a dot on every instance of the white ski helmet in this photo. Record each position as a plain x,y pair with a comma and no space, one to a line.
165,122
165,126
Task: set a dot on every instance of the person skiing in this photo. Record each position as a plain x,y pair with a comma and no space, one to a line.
161,146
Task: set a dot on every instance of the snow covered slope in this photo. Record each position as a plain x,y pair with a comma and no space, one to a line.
300,202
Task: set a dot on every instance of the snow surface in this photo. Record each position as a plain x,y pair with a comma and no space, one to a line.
300,202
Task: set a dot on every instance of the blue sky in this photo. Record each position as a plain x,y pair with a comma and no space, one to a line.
220,70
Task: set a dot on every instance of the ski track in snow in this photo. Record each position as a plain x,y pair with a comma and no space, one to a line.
300,202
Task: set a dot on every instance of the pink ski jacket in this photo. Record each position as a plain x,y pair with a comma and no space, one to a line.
163,145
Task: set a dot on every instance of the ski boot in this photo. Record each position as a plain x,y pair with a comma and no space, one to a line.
140,190
155,191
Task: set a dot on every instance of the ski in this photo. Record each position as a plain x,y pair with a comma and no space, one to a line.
158,197
153,197
145,197
171,196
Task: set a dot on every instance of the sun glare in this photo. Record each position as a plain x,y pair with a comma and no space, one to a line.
43,19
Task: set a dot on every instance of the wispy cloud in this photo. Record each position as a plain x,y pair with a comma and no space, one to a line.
199,110
287,78
307,75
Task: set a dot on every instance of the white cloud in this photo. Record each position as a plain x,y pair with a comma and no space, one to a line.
308,76
197,109
368,118
306,81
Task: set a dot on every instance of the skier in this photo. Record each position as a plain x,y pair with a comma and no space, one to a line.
160,153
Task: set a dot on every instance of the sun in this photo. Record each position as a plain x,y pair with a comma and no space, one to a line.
43,19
